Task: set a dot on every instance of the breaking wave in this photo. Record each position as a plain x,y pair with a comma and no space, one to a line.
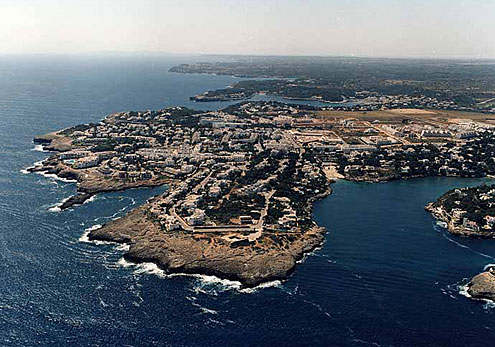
206,284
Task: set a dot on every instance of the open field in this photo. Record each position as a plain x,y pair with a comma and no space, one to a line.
412,112
399,114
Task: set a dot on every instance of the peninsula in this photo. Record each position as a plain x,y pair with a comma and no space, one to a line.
470,212
242,181
467,211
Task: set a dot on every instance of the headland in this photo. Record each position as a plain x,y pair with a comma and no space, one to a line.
242,181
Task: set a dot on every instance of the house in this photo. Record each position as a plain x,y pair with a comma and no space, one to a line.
470,225
86,162
490,221
245,219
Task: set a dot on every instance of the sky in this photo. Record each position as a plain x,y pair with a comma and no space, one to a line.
384,28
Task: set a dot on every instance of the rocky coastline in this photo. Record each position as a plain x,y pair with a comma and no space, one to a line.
441,215
88,185
482,286
199,254
239,204
184,252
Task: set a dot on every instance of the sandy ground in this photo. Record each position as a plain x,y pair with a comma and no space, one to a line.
412,111
331,173
398,114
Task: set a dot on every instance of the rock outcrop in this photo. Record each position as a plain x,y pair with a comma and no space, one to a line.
482,286
198,253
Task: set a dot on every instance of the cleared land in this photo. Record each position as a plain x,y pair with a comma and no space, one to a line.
398,114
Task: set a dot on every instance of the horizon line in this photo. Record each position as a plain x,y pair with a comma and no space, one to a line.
257,55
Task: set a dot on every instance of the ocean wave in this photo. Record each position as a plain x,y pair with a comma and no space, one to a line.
488,266
206,284
55,177
35,165
39,163
463,290
143,268
311,253
466,247
123,247
57,208
203,309
39,148
272,284
488,304
91,199
85,236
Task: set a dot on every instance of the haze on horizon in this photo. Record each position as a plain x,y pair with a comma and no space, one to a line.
420,28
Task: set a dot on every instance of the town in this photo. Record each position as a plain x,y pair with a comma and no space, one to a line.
255,166
467,211
241,182
352,83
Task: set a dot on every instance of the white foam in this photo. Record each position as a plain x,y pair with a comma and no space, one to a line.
441,224
55,177
463,290
205,280
488,266
123,247
39,148
489,304
85,236
124,263
306,255
209,280
39,163
149,268
275,284
143,268
35,165
92,198
57,208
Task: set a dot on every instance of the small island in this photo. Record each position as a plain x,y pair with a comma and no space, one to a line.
482,286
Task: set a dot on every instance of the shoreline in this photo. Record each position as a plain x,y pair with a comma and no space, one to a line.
103,234
482,286
95,237
84,193
234,281
155,233
441,215
108,234
264,259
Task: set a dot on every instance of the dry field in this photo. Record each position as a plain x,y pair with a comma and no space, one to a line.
398,114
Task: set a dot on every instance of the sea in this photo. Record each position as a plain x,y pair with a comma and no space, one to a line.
386,275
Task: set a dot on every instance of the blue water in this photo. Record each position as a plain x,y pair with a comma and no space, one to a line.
386,274
314,103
